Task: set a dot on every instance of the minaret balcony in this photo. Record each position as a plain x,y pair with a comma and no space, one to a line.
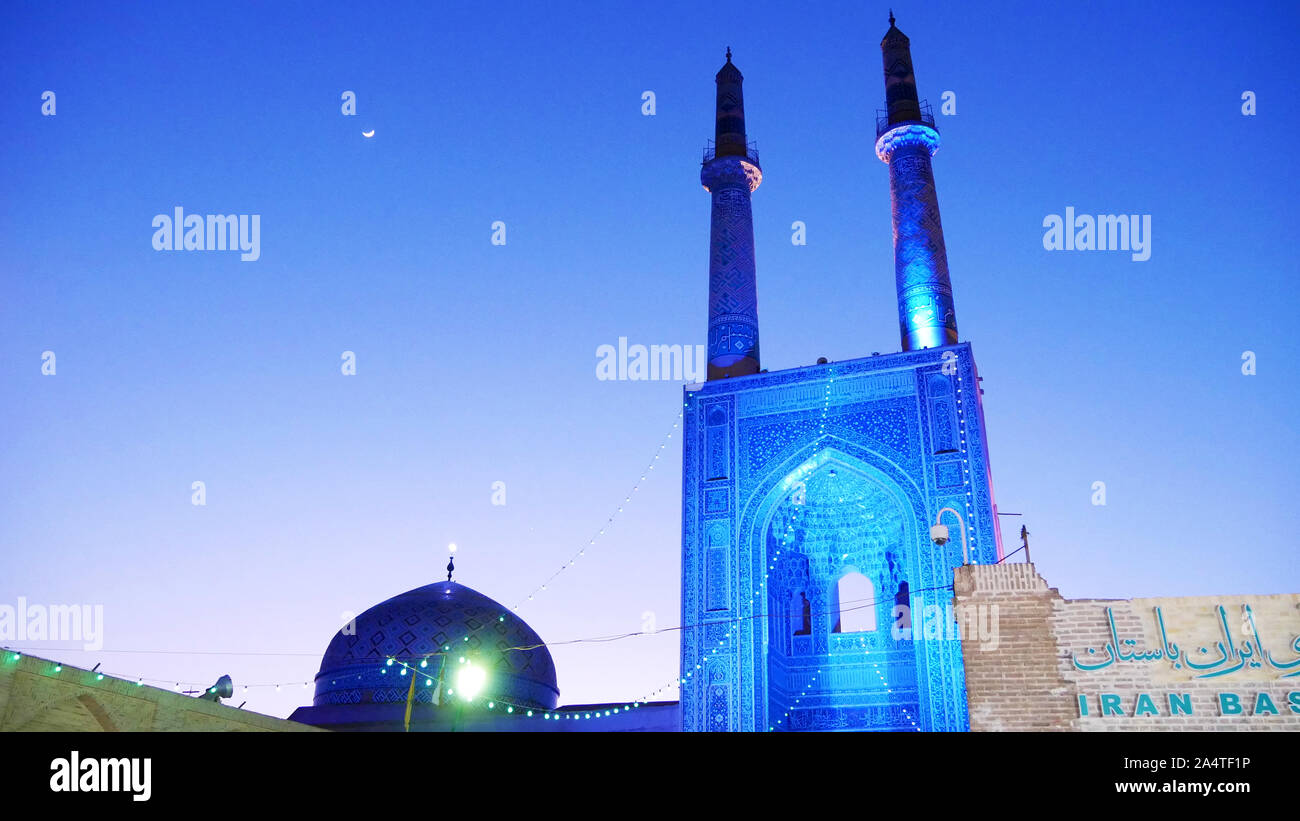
883,124
751,152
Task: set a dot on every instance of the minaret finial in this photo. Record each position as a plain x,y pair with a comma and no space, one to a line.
728,54
891,17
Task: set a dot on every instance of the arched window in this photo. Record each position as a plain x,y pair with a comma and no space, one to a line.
857,604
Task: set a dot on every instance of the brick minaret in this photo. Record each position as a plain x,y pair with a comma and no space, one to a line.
731,173
906,139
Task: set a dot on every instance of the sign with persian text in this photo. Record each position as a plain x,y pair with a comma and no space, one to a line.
1195,657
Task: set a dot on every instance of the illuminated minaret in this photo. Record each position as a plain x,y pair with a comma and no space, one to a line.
906,139
731,173
812,492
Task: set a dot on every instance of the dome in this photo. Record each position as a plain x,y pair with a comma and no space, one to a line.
442,618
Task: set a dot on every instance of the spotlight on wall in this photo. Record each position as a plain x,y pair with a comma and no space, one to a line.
224,688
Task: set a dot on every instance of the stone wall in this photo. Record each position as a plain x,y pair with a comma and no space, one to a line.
35,696
1152,664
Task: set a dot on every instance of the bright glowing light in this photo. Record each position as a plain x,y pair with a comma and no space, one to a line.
470,680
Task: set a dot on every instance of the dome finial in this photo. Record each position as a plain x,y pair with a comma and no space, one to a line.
451,560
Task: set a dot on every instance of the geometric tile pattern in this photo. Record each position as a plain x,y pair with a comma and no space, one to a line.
733,290
444,618
830,470
927,318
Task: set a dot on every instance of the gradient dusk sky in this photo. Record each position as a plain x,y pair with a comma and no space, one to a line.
476,362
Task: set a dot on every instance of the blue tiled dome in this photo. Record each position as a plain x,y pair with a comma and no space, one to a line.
447,618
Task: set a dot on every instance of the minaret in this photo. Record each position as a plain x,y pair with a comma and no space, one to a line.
731,173
906,139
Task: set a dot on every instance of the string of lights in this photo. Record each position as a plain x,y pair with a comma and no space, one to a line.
826,404
610,520
726,637
711,655
14,653
760,590
473,677
875,668
860,604
757,593
965,464
789,530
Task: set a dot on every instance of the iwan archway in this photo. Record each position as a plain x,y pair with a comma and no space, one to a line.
840,550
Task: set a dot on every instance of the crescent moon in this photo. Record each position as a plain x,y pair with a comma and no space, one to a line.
368,134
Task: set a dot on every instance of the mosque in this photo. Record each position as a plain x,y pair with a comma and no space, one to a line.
806,515
842,567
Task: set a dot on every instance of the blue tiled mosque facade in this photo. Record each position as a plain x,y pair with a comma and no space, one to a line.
813,595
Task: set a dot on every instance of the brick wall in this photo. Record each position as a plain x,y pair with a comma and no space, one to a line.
1033,675
1017,684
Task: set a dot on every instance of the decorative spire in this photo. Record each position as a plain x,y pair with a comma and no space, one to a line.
901,100
729,131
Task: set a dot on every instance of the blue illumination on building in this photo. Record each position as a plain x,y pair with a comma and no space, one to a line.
906,140
927,318
801,485
812,595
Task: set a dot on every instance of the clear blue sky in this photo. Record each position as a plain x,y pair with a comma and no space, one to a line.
476,363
